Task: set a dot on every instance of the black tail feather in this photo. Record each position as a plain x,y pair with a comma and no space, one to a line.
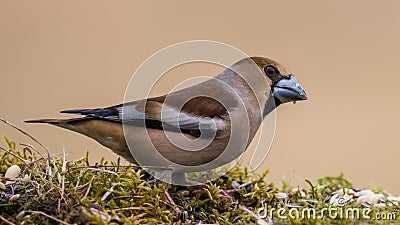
79,111
100,112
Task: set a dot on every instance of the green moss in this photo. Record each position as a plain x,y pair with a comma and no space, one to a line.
56,191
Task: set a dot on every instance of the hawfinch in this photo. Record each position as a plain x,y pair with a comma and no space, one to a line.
204,118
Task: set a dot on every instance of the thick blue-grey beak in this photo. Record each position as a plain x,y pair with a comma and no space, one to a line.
289,90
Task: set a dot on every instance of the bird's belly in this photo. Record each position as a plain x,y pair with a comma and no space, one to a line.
161,148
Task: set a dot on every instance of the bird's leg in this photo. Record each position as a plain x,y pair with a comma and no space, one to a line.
164,177
171,201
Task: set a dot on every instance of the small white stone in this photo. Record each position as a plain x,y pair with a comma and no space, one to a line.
380,205
12,172
364,193
393,198
370,199
342,192
339,192
14,198
281,195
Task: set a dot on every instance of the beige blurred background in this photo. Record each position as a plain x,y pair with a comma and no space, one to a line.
76,54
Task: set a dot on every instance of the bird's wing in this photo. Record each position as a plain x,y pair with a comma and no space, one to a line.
197,114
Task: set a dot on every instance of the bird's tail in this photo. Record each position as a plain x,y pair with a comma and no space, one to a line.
49,121
56,122
69,124
99,129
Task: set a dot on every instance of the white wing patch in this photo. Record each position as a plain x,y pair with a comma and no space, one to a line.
169,115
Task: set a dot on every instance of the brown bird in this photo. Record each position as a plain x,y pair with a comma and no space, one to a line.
197,128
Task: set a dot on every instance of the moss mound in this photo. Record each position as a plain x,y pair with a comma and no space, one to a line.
56,191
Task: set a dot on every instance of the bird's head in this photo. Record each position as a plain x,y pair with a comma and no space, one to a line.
283,84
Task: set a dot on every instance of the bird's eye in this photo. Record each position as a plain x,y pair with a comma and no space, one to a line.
270,71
